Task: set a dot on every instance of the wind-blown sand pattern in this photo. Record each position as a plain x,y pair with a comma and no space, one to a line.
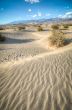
39,82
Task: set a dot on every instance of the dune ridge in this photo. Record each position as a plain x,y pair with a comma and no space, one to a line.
32,76
40,83
34,56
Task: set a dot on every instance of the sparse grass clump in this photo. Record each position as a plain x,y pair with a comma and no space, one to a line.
57,38
2,38
40,28
55,26
70,24
65,26
21,28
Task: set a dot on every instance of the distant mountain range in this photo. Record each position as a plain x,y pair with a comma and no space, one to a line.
40,21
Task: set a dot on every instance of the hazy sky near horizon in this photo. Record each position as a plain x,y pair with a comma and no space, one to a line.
14,10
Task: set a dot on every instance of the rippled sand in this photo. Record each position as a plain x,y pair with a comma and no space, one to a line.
41,81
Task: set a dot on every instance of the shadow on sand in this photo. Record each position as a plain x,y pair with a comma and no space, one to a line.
16,41
68,41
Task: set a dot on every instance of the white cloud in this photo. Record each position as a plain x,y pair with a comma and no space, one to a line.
59,16
29,10
34,15
32,1
67,15
37,15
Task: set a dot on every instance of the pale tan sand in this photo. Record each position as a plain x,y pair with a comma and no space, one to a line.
20,45
43,83
42,80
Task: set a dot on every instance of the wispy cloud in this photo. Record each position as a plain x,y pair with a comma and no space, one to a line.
59,16
39,14
32,1
35,15
66,15
69,13
29,10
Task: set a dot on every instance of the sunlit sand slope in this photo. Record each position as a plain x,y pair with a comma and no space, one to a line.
40,83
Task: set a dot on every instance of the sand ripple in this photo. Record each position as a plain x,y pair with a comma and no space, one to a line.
44,83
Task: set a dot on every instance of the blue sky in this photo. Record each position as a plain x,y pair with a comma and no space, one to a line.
14,10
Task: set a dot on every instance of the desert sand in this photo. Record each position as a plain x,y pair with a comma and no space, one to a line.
33,76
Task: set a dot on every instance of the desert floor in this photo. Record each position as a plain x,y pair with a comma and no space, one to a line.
33,76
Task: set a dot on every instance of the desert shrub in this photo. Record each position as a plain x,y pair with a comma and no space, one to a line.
55,26
65,26
21,28
57,38
70,24
40,28
2,38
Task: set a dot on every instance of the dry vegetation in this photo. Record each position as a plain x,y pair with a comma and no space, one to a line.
2,38
55,26
57,38
40,28
21,28
66,26
1,28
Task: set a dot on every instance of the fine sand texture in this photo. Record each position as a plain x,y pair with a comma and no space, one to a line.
33,77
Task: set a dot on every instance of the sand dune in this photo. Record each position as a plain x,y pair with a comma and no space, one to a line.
39,84
20,45
41,81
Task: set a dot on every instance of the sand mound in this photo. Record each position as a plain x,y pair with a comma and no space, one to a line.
40,83
32,77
